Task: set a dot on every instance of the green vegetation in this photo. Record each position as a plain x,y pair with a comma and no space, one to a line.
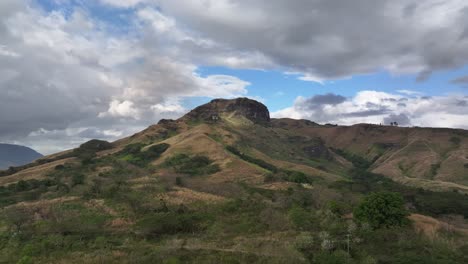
434,169
192,165
258,162
382,209
134,154
425,201
455,141
87,151
167,223
118,208
286,175
358,161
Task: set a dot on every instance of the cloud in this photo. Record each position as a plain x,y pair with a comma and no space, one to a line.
326,99
63,71
125,109
334,39
123,3
401,119
379,107
461,80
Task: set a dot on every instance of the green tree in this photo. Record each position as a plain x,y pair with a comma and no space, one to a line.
382,209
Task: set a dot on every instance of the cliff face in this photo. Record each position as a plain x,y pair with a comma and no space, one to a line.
250,109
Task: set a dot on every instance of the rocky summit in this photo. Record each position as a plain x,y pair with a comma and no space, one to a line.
245,107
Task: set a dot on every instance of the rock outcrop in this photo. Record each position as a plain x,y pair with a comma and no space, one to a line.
248,108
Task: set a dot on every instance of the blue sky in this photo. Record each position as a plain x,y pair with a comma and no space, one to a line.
279,90
72,70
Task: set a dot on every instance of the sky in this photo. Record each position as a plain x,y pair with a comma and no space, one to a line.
74,70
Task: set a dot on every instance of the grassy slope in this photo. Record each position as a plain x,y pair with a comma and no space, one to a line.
244,213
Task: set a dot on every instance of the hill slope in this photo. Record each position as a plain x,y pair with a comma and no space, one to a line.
228,184
15,155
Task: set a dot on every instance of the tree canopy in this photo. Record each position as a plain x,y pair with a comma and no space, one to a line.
382,209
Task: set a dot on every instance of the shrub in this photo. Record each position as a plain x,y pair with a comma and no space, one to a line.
301,218
455,140
170,223
296,176
178,181
133,153
258,162
382,209
358,161
77,179
192,165
338,208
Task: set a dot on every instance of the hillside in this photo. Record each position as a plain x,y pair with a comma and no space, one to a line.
15,155
227,184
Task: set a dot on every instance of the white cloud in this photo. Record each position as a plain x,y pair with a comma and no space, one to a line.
380,107
65,70
123,3
124,109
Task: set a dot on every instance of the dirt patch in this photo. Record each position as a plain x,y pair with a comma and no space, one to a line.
187,196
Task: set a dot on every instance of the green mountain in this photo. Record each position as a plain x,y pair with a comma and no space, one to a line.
228,184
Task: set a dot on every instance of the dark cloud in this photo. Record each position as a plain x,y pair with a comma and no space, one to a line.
461,80
326,99
401,119
335,38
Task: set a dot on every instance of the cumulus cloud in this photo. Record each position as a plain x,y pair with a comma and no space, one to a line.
330,39
63,71
382,108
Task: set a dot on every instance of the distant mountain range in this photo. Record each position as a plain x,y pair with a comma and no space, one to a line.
15,155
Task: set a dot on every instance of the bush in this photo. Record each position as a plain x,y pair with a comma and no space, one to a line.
382,209
133,153
258,162
192,165
77,179
300,218
455,140
358,161
178,181
296,176
339,208
170,223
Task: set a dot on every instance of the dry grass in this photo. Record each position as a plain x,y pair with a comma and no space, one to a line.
278,186
431,227
37,172
188,196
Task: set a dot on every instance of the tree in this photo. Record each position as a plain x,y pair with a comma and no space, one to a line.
382,209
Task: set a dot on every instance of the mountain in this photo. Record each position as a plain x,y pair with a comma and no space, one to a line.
228,184
15,155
